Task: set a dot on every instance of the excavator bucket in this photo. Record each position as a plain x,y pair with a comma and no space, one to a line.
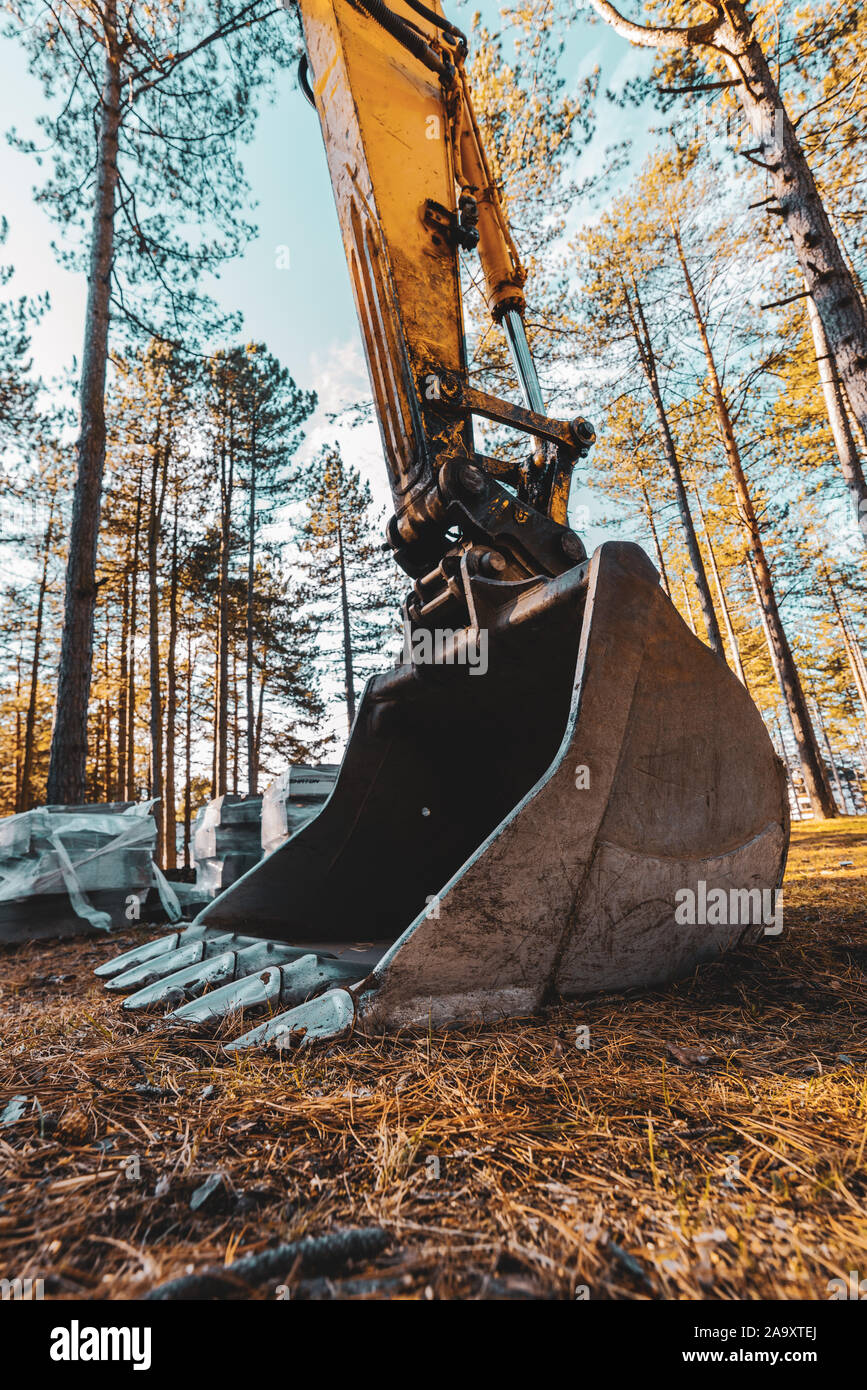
598,806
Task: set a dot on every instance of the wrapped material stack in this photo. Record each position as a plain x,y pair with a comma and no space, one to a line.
292,800
227,841
71,869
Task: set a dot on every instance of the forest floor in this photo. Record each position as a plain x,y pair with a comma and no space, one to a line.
709,1143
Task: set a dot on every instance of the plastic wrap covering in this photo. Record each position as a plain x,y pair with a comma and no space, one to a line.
292,800
227,841
70,868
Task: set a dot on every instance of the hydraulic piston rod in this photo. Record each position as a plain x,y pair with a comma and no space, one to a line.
516,337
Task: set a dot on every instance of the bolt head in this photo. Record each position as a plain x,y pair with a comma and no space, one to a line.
572,546
582,431
492,562
450,387
472,478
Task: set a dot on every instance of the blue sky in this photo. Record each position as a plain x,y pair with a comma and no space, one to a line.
304,312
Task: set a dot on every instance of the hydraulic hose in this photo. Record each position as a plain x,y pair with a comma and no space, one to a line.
438,20
411,40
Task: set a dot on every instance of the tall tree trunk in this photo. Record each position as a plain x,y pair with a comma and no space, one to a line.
689,613
859,289
854,655
835,408
106,710
215,715
236,725
815,775
123,676
94,792
109,760
644,344
730,34
131,788
16,788
857,663
68,762
260,713
804,217
252,762
188,752
651,522
850,414
159,467
349,678
721,598
170,820
227,471
25,789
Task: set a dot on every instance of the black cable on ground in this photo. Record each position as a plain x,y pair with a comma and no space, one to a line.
318,1255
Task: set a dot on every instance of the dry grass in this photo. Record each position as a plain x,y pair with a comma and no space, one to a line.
505,1162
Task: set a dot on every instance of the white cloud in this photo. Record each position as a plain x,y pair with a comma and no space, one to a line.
340,379
340,375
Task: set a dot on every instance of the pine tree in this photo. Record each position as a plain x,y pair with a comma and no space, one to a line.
349,587
28,628
614,303
730,43
269,409
19,389
686,262
155,99
811,761
150,457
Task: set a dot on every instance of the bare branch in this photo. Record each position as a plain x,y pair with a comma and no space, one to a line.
699,87
242,20
658,36
779,303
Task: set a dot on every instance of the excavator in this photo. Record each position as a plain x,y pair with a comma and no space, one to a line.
505,833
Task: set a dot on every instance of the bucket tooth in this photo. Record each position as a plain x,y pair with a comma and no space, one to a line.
168,962
307,977
261,990
218,969
296,981
328,1016
149,950
185,983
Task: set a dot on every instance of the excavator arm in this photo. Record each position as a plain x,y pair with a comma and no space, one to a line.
413,189
547,805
